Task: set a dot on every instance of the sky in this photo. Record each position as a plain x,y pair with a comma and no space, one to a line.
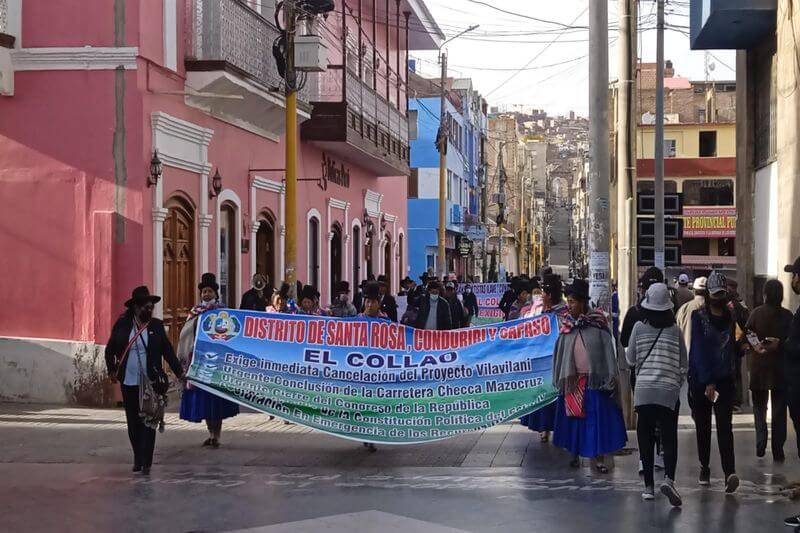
554,47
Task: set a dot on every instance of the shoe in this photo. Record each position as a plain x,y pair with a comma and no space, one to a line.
659,462
602,468
668,489
705,476
208,442
544,436
792,521
731,483
145,470
136,468
761,452
215,443
648,494
575,463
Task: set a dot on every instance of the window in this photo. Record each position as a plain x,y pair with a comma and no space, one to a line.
413,126
227,254
670,148
649,187
726,247
701,116
449,184
413,183
695,246
356,256
708,192
313,251
708,144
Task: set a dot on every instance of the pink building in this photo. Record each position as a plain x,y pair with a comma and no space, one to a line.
89,89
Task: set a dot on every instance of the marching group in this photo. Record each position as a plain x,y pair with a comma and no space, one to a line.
670,336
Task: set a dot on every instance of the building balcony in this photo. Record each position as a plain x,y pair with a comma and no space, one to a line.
230,71
731,24
350,119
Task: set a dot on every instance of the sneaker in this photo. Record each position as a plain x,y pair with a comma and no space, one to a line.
659,462
668,490
792,521
705,476
731,483
649,494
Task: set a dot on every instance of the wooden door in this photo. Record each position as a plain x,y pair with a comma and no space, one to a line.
336,259
265,251
387,265
179,282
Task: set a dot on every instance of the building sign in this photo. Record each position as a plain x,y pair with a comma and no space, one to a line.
709,222
334,173
465,246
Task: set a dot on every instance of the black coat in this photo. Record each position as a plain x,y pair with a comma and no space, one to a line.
443,319
458,314
471,303
158,347
507,301
251,301
389,307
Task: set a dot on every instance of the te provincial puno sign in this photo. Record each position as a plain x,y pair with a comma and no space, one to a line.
373,380
709,222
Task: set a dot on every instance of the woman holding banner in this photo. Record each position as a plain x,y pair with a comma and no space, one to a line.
197,404
588,419
309,302
280,300
544,419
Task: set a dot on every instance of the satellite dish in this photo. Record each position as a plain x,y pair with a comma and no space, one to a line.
712,66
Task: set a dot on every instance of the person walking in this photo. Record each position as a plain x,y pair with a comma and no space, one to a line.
712,366
458,314
507,300
388,303
791,366
280,300
769,321
257,298
434,311
683,294
341,306
684,315
543,420
197,404
470,303
657,351
588,419
634,314
134,353
522,289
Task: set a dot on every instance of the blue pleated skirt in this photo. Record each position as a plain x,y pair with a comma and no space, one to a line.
542,420
198,405
600,433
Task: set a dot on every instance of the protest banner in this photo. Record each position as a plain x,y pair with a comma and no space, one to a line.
489,296
373,380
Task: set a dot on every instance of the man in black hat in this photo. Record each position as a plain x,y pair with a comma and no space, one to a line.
135,351
458,314
388,303
341,306
257,298
508,298
434,311
791,355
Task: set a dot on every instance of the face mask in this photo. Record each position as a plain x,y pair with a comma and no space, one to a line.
145,314
468,291
434,297
342,297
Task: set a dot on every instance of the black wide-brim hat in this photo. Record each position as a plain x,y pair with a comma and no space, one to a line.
140,296
372,291
579,289
209,279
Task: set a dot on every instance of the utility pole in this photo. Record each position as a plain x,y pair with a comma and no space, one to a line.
442,142
501,208
290,274
659,148
599,282
626,154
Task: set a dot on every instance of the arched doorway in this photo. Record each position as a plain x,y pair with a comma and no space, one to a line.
387,262
227,254
179,286
336,258
356,257
401,270
265,249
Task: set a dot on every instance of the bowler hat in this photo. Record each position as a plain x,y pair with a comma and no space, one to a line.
578,289
283,291
372,291
382,279
308,292
552,284
208,280
794,268
343,286
140,296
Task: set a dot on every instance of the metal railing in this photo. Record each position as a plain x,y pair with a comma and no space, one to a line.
231,31
3,16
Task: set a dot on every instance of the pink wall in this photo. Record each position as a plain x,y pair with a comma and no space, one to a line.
77,22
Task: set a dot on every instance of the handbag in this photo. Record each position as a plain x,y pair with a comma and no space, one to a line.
152,393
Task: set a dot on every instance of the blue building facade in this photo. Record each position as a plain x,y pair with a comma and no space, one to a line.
463,122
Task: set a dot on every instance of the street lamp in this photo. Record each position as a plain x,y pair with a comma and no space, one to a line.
441,140
156,170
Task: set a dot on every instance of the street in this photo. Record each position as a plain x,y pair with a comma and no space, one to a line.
559,241
67,469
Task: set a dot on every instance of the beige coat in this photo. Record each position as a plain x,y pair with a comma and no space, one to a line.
684,318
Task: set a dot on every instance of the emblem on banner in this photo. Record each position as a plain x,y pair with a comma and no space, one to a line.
222,326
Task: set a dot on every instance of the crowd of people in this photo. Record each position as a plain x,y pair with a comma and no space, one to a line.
671,336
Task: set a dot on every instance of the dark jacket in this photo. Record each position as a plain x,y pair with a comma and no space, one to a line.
443,319
633,316
471,303
506,302
713,351
358,300
766,370
158,347
251,301
416,296
791,355
389,307
458,315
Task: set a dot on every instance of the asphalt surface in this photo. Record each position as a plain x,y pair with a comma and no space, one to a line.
69,470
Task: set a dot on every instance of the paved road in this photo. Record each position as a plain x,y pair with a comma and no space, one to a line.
67,470
559,243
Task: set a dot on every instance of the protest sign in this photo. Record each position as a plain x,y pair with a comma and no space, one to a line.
489,296
372,380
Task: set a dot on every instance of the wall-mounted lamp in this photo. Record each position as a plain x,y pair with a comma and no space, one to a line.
216,185
156,170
